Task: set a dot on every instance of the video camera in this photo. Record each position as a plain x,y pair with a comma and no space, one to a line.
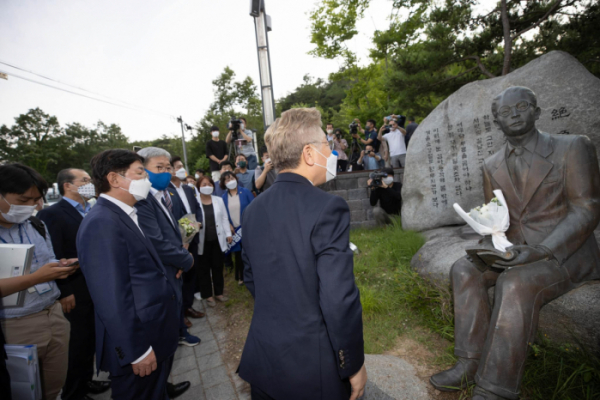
353,128
234,126
376,179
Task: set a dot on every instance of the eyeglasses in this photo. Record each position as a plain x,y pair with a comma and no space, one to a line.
521,106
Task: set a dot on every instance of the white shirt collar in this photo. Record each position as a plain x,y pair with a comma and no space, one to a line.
127,209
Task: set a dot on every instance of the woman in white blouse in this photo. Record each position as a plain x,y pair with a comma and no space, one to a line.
213,239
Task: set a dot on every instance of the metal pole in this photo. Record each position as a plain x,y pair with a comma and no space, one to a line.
180,120
261,24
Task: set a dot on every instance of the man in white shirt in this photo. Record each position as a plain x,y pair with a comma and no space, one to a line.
137,315
395,142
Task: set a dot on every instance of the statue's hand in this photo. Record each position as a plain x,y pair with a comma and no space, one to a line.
524,255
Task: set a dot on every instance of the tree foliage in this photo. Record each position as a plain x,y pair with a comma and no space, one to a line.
231,98
431,49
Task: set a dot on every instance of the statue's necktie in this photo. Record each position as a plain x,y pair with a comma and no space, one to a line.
168,201
520,171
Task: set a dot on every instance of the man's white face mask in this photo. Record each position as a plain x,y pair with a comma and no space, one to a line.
331,164
180,173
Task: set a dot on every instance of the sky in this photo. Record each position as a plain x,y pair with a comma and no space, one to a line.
159,54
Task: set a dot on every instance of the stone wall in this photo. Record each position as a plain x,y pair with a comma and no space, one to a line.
352,187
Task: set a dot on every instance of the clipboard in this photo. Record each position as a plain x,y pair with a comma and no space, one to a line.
15,260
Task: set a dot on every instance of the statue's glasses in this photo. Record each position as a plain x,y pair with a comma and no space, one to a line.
521,106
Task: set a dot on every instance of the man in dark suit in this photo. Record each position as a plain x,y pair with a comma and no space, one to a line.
161,227
306,336
551,184
63,220
135,303
186,203
410,129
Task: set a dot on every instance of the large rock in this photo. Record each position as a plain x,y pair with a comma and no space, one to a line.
443,164
572,317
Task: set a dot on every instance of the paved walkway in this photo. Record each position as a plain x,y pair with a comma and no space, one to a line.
203,365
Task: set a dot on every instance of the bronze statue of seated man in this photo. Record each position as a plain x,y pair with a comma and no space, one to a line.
551,184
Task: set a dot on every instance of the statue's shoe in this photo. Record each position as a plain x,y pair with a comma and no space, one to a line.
482,394
456,378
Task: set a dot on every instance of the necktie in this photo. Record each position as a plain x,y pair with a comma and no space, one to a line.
520,170
168,201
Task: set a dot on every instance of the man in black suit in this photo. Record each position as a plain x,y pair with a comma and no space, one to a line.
160,225
63,220
410,129
306,336
135,301
185,202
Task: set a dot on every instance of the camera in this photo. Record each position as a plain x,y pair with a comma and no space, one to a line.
353,128
376,179
234,126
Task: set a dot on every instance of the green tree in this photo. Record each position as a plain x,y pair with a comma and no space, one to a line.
232,98
34,140
431,49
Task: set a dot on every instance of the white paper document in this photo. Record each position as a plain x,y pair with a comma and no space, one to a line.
23,368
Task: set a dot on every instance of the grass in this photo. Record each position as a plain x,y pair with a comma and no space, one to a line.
397,302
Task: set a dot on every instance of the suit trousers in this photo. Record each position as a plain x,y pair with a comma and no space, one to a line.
82,347
501,336
211,270
150,387
50,331
239,266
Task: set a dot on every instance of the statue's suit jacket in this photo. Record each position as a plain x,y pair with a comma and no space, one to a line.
560,207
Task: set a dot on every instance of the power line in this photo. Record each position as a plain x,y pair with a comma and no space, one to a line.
78,88
90,97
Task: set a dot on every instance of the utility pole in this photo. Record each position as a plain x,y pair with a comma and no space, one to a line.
180,120
262,24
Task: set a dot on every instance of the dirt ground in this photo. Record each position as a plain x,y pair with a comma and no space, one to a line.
423,359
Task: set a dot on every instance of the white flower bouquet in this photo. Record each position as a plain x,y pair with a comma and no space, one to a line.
490,219
188,227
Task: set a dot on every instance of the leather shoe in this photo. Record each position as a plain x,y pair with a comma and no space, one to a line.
481,394
178,389
190,312
456,378
97,387
187,322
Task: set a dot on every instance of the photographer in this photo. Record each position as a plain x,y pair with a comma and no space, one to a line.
355,157
243,139
395,141
388,193
265,176
369,159
330,135
370,134
340,145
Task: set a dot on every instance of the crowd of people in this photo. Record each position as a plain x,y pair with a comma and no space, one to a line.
73,314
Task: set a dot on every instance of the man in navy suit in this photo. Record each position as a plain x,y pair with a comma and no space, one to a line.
187,204
134,301
306,336
63,220
161,227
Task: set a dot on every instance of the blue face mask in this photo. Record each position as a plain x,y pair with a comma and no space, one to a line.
159,181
